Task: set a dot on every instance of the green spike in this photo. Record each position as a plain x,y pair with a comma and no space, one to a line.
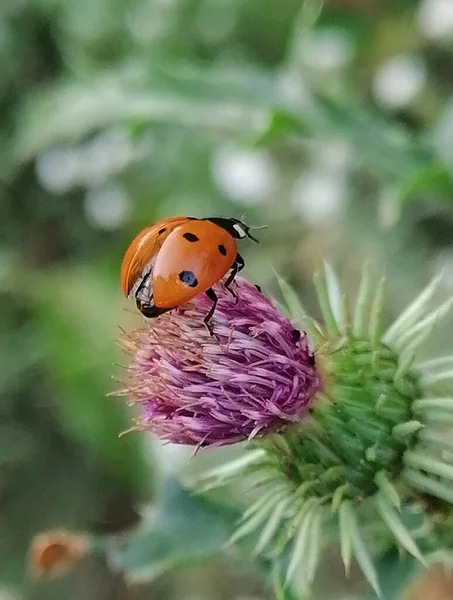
333,474
305,487
396,526
363,304
314,546
415,460
252,523
433,378
256,506
425,324
324,304
345,538
271,526
338,497
437,438
428,484
324,451
377,307
371,453
301,539
336,298
437,403
414,344
404,364
388,490
347,315
412,313
233,467
442,417
360,550
406,430
297,311
435,363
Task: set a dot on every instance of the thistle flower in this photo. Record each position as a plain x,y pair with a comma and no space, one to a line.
376,447
255,376
359,437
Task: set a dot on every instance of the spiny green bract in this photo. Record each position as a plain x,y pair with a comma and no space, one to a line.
375,442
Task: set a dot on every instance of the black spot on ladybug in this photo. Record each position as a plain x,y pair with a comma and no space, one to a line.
259,288
188,277
311,360
296,335
162,230
190,237
222,249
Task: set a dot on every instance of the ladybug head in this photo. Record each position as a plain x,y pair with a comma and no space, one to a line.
237,228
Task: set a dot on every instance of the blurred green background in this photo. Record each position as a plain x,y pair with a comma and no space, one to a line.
334,127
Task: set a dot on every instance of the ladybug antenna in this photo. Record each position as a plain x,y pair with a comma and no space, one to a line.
247,229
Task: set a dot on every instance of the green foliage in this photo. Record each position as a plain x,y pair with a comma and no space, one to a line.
70,319
181,529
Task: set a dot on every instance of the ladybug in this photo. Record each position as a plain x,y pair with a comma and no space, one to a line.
177,258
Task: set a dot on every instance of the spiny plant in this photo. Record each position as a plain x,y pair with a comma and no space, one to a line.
346,431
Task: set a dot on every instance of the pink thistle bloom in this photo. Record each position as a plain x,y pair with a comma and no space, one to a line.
257,376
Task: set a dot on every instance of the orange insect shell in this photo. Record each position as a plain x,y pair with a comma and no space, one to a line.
195,256
143,248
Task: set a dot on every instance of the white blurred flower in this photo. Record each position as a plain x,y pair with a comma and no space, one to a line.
327,50
107,153
149,22
57,169
399,80
106,208
435,19
333,155
293,86
245,176
319,196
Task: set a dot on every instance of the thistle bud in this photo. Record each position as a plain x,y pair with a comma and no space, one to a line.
377,443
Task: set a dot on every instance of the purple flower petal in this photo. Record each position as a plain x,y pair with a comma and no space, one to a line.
198,390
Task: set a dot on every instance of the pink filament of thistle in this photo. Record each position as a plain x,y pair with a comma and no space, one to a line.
195,389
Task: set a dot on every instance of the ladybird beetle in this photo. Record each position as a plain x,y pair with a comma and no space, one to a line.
174,260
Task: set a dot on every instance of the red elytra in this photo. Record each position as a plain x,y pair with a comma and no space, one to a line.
177,258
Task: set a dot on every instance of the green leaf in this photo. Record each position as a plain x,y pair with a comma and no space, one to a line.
433,178
68,111
244,102
395,571
182,529
280,124
363,304
78,327
282,591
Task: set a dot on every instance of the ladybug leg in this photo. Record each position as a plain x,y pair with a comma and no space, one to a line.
150,311
212,296
238,265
